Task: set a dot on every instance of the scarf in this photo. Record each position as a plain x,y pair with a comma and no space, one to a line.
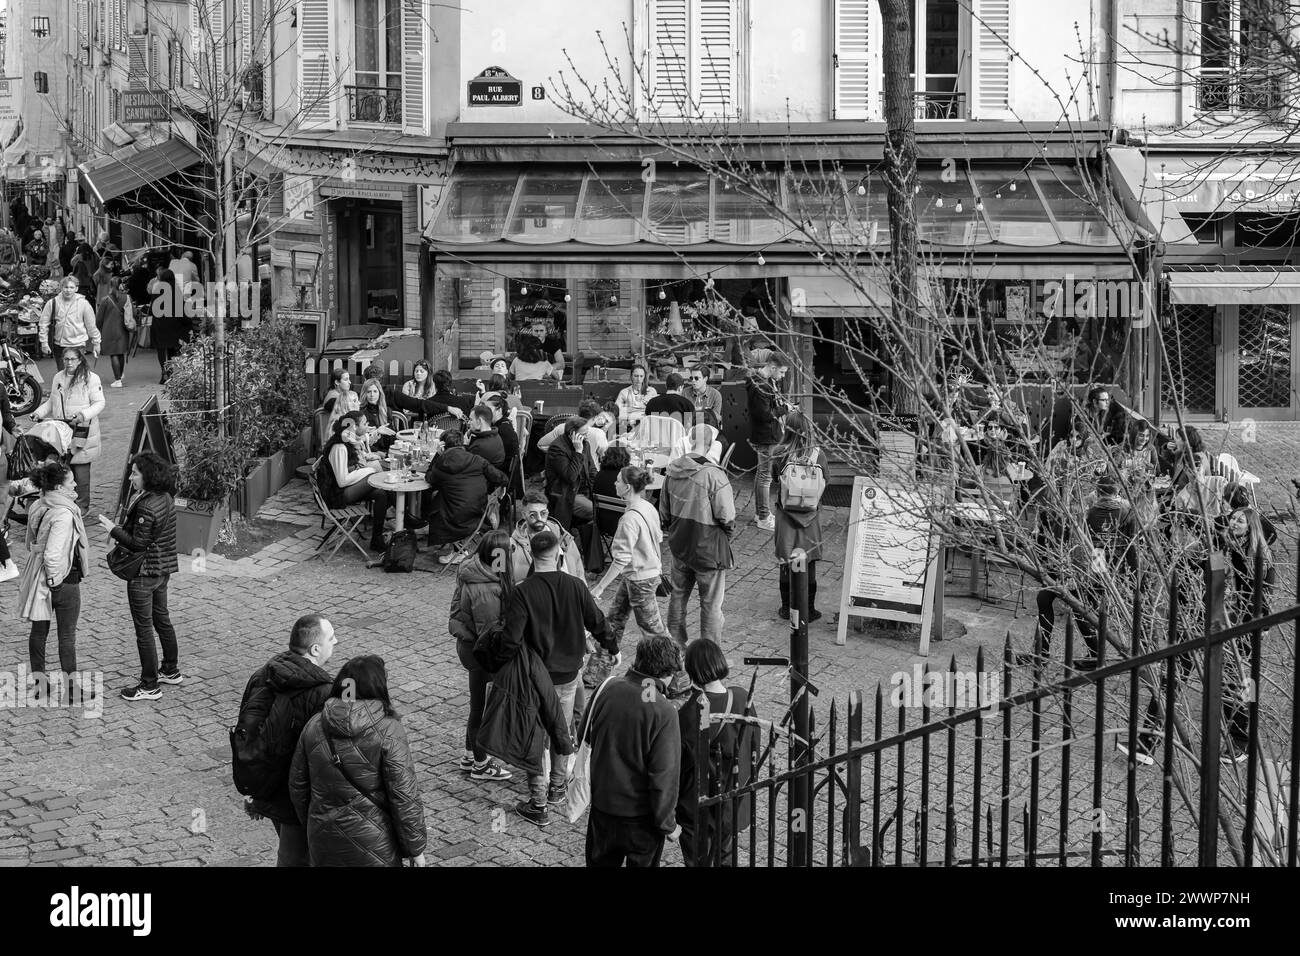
57,499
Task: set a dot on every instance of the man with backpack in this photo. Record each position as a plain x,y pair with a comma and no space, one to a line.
278,701
699,509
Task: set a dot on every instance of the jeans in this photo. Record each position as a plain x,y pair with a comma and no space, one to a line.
622,841
559,764
635,597
583,509
293,845
712,585
66,601
1047,619
478,684
148,599
82,474
763,481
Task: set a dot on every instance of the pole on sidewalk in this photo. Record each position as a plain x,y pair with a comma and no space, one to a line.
799,802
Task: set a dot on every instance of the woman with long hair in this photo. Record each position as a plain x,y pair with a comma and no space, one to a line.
352,781
531,364
420,384
169,326
341,397
57,559
84,266
77,397
632,400
802,529
375,410
116,321
343,478
635,560
1246,543
483,588
150,529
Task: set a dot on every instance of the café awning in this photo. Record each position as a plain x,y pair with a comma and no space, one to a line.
1253,286
579,206
1166,186
126,170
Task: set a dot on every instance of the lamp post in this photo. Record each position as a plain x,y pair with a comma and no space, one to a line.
799,801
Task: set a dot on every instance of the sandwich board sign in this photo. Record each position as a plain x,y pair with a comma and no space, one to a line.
891,560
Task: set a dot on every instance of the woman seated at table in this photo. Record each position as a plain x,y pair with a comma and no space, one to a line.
632,400
615,459
375,411
462,481
344,478
420,384
505,386
1180,458
340,399
530,365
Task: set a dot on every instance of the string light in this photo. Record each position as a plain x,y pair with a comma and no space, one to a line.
939,202
958,206
662,294
523,290
979,204
761,260
862,189
1012,187
613,300
998,194
567,297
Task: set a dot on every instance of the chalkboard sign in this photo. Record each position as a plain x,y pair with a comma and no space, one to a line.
149,433
891,559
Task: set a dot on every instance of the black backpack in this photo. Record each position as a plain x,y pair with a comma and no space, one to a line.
263,741
399,556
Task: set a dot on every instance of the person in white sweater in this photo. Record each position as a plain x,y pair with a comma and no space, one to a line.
636,563
73,320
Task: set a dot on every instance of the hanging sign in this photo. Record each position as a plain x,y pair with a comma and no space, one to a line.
495,87
891,559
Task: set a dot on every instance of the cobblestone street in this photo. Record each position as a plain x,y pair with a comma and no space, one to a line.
149,783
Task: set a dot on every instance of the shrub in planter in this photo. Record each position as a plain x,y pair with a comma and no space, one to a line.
275,346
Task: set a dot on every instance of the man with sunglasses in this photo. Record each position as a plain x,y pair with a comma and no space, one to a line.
706,399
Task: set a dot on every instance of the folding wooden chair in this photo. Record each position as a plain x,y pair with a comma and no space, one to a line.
346,520
608,512
466,546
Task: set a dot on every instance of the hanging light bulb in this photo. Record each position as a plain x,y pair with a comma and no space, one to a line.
761,260
998,194
567,297
662,294
916,190
939,202
523,290
709,283
862,189
979,204
1013,187
613,300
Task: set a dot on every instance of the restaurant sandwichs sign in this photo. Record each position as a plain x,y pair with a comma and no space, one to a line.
495,87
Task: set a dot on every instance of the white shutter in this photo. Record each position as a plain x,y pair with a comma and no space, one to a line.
670,49
245,58
83,31
714,67
413,71
317,97
855,61
991,61
196,44
219,25
137,60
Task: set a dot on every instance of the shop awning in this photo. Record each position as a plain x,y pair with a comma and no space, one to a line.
1165,187
126,170
1262,286
674,207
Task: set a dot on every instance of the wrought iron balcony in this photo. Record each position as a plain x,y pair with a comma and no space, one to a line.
1228,91
251,89
932,105
375,104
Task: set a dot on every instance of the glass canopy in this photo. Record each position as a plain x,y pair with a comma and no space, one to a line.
618,205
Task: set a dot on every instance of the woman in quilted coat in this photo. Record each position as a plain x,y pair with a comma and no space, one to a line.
797,530
365,810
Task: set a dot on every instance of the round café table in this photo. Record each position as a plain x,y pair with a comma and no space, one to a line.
400,485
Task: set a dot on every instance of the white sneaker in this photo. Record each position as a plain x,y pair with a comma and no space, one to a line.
8,571
765,524
117,384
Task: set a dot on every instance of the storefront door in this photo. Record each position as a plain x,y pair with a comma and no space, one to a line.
1262,383
1192,358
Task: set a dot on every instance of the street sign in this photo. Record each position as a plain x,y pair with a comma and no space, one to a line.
146,106
495,87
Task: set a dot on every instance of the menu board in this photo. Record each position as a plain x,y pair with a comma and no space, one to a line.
891,559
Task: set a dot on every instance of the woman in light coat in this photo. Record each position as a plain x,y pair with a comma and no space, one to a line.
58,557
77,397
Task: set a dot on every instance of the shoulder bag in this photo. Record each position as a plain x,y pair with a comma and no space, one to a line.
341,767
123,562
580,782
665,585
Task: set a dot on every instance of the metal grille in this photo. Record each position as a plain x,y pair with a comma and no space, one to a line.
1264,356
1190,362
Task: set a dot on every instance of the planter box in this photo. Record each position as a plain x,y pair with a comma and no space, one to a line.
278,473
197,524
255,489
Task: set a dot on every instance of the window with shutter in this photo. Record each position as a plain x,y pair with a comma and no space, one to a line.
196,44
413,72
137,66
316,91
855,61
992,60
694,51
219,45
671,48
83,31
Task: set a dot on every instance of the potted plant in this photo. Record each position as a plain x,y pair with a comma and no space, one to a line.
283,413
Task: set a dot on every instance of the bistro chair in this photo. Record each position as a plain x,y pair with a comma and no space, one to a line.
446,422
608,512
398,421
523,422
467,546
346,520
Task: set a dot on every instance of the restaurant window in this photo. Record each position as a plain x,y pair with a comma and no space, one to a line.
537,315
377,73
691,320
1262,231
1239,71
1204,228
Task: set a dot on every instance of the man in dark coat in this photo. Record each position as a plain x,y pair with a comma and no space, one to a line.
549,613
462,481
636,754
766,406
68,249
299,673
569,474
483,439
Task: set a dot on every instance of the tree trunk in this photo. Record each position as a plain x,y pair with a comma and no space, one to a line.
900,167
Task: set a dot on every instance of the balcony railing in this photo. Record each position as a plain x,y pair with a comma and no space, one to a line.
251,91
929,105
1228,91
374,104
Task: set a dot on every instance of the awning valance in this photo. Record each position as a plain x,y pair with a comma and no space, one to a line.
669,206
126,170
1166,186
1263,287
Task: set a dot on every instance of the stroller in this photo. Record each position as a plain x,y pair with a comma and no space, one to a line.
39,443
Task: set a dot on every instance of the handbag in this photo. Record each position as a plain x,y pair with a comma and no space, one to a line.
580,783
399,556
125,563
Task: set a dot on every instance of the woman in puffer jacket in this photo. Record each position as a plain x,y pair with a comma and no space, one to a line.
365,810
482,586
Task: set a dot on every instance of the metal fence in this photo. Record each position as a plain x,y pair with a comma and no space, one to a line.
1028,776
